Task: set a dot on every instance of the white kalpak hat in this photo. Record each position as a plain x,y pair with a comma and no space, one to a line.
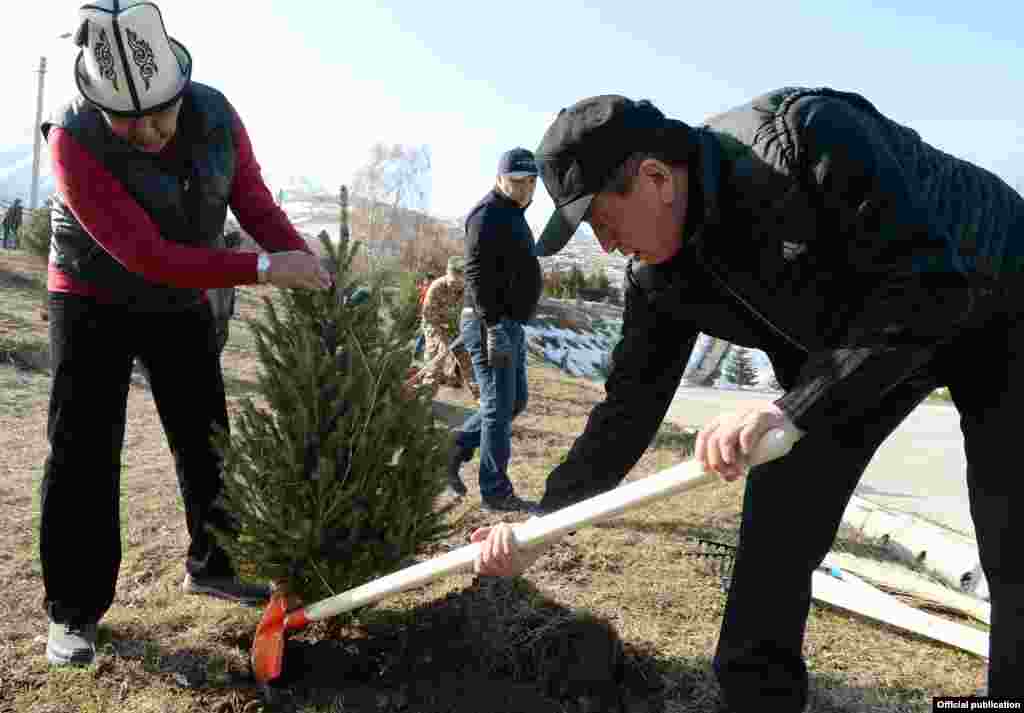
128,65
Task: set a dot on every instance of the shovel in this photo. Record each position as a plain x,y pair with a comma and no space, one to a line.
277,621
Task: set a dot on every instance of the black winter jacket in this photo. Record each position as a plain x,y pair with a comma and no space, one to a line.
830,237
503,276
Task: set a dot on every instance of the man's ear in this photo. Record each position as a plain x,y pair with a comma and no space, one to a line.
661,176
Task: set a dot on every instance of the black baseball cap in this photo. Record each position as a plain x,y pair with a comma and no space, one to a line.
518,163
584,146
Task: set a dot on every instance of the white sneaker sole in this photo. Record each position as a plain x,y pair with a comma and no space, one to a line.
77,658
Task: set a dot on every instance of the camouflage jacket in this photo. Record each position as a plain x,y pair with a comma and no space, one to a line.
440,306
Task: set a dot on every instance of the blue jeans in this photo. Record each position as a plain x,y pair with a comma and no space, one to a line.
503,395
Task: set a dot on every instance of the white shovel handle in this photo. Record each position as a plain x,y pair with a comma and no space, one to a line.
685,476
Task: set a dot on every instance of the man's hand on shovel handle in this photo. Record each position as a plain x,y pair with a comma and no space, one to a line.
724,444
500,554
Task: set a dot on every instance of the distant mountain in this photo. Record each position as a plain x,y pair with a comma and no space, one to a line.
16,178
585,252
296,187
16,174
13,154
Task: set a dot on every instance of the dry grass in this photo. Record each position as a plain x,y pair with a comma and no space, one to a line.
22,283
461,644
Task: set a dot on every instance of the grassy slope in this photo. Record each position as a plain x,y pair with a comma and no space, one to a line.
462,644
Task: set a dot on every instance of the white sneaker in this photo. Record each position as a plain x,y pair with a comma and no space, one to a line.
71,644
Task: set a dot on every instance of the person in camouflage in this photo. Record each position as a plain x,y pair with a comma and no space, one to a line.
441,307
422,286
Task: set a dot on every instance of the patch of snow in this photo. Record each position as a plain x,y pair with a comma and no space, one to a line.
582,354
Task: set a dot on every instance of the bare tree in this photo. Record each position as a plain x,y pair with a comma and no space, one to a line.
370,185
391,196
411,182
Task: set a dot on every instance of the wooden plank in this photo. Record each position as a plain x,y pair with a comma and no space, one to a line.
896,579
855,595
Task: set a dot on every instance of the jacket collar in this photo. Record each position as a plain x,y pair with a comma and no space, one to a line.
502,198
708,178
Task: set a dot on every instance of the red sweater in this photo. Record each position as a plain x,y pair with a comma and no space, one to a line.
121,227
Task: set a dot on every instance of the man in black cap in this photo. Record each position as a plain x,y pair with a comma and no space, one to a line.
867,264
502,288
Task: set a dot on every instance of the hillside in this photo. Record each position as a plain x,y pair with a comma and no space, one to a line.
576,338
16,174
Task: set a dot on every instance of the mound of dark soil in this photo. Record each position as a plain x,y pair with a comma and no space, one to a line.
497,646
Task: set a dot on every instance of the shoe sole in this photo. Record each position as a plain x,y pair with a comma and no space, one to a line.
57,659
199,589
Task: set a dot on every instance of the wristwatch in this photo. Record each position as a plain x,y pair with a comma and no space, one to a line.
262,267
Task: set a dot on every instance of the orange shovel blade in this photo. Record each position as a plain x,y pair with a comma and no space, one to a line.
268,644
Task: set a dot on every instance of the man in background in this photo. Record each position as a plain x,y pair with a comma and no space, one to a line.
503,286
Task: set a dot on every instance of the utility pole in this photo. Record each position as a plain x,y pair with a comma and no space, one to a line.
32,204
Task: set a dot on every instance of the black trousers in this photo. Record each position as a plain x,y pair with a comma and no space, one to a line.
793,507
92,349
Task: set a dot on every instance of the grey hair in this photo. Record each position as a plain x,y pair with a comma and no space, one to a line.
676,146
621,180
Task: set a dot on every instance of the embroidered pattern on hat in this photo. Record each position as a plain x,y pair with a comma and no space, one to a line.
142,55
105,59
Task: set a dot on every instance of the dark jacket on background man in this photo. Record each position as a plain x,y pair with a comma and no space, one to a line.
503,276
824,234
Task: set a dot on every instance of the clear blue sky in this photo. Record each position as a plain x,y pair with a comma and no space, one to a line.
318,82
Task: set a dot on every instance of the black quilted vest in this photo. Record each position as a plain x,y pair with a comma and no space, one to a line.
186,198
